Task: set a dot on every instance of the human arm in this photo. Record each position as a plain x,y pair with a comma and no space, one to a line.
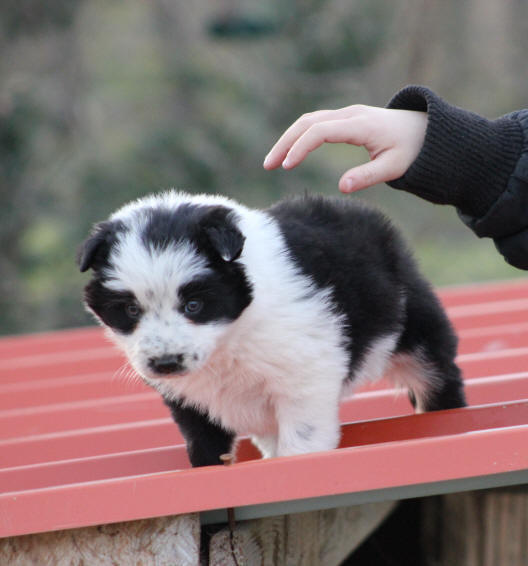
480,166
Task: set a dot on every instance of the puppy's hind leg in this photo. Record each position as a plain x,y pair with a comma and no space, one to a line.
424,360
432,384
446,391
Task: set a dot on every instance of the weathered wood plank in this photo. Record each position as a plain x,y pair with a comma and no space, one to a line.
163,541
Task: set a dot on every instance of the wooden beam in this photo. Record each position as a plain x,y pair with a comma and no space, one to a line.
163,541
304,539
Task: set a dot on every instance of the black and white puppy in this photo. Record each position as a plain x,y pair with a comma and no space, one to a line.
257,321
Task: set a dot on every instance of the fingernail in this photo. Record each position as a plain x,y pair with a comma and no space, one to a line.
266,161
349,185
287,162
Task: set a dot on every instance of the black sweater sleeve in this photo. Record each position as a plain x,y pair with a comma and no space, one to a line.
479,166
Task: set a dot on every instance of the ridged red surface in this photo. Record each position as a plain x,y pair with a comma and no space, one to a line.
82,445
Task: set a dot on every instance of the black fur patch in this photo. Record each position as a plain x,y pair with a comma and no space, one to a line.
165,227
112,306
94,251
206,441
224,295
211,228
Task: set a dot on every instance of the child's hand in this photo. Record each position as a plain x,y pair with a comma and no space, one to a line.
393,139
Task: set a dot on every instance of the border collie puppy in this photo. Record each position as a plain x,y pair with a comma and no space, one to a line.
257,321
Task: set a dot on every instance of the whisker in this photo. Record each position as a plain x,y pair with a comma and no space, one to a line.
127,374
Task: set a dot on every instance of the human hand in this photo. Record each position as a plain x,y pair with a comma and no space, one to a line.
393,139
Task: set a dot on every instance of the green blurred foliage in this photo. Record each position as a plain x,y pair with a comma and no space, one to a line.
344,39
25,17
103,102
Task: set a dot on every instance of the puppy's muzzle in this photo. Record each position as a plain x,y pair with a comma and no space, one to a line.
167,365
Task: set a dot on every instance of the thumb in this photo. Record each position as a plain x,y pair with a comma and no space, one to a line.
376,171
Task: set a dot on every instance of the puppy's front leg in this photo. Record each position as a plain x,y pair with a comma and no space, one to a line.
266,444
308,426
206,440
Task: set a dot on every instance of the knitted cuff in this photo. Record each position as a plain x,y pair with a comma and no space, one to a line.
466,160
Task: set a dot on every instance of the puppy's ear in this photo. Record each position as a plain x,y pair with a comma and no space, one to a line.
94,250
222,233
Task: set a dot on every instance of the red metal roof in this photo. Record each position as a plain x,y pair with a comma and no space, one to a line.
79,445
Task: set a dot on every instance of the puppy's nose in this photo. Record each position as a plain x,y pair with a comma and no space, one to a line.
167,364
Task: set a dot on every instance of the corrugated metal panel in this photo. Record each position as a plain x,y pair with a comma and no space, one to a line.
80,444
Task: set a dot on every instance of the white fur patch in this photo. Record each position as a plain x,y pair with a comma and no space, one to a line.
155,275
376,360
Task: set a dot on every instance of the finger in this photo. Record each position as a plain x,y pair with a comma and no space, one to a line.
279,151
351,130
378,170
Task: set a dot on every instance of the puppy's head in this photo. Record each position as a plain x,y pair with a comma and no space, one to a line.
166,282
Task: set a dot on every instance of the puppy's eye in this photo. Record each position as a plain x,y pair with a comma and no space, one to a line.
194,306
133,310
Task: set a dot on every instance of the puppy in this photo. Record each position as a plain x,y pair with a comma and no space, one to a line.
258,321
